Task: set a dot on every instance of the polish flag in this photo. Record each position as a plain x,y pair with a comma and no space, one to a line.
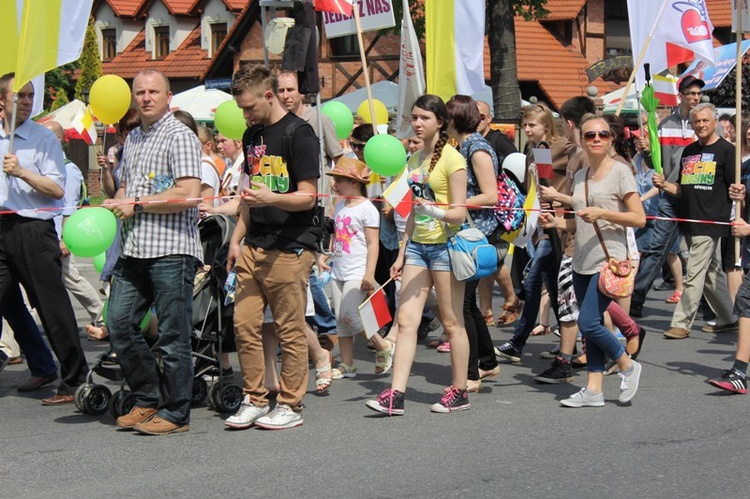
343,7
665,89
398,195
83,122
374,313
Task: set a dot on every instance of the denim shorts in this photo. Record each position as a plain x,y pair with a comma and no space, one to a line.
429,256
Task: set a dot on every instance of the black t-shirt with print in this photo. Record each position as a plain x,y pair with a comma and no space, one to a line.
266,150
705,175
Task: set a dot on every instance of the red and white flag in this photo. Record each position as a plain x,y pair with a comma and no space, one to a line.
343,7
665,89
83,122
681,31
398,195
374,313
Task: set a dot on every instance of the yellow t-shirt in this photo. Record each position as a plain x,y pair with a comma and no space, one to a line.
428,230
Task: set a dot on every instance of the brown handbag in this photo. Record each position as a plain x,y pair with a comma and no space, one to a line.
616,278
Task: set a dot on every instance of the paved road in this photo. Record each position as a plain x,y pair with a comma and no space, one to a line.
679,438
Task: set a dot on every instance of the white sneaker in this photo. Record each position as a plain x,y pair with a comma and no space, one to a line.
247,414
280,418
629,384
582,399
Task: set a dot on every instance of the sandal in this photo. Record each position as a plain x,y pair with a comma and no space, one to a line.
322,384
675,297
510,314
444,348
489,319
384,359
442,339
544,331
344,371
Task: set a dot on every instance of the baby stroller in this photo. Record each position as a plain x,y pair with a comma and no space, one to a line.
212,319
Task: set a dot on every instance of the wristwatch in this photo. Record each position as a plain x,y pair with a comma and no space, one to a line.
138,207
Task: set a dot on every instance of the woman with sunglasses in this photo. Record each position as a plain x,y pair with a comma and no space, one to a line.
438,177
605,194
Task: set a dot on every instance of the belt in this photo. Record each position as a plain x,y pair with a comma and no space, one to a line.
13,218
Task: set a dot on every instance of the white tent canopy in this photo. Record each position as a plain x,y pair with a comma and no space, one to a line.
199,102
612,100
65,114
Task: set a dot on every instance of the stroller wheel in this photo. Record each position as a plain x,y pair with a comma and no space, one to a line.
230,398
96,400
213,396
79,395
127,403
115,401
200,391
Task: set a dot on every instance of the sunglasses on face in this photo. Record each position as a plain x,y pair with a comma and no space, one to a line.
357,145
603,134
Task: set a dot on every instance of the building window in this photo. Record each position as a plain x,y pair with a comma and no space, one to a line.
344,47
218,33
109,44
617,38
161,42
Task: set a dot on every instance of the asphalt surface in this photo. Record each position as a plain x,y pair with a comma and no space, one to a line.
678,438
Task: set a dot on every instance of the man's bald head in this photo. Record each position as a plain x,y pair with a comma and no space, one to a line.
56,128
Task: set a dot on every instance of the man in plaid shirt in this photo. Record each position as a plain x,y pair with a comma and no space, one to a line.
160,250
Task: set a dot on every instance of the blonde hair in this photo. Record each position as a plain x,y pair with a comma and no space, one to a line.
544,115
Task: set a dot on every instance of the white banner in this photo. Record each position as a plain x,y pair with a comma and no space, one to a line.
373,15
410,75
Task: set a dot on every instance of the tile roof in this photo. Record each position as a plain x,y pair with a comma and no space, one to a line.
237,5
537,52
126,8
188,61
180,7
720,13
560,10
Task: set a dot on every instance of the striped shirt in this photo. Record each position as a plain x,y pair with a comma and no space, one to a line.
151,162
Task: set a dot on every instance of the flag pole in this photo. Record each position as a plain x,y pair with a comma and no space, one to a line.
738,113
374,293
355,8
12,124
639,61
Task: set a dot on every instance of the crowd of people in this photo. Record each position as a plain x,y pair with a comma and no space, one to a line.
600,199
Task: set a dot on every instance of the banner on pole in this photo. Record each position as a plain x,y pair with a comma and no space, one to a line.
411,83
726,59
372,15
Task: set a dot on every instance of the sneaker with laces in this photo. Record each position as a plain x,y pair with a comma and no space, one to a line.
582,399
135,416
280,418
629,383
559,372
389,402
508,351
160,426
555,352
246,415
731,380
453,400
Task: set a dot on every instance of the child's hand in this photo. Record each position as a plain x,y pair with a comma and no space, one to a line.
397,266
368,284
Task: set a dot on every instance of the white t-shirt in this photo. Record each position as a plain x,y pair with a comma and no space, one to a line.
350,244
210,177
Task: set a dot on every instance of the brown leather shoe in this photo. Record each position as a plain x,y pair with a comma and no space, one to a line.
36,382
135,416
677,333
15,360
58,400
159,426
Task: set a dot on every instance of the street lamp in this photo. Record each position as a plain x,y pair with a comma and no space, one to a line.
85,95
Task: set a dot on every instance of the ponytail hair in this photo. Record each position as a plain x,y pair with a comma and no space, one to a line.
436,106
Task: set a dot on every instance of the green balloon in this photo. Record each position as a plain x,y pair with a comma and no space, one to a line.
229,120
90,231
385,155
341,116
143,325
99,261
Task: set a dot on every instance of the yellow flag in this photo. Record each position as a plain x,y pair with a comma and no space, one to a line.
8,36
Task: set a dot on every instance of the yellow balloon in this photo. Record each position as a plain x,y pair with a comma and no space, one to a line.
381,113
109,99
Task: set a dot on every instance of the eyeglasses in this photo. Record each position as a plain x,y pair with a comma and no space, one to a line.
692,94
357,145
603,134
482,117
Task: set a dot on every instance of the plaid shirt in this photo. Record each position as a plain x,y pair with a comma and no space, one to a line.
151,163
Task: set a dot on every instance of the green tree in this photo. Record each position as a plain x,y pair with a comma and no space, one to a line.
90,62
59,79
60,99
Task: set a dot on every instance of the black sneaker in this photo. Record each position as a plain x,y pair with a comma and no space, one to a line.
560,372
731,380
555,352
508,351
389,402
453,400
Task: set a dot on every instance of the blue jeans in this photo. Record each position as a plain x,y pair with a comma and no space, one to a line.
165,384
544,266
600,342
27,334
663,237
323,319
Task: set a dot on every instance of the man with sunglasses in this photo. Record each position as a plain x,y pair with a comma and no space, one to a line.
706,171
675,133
